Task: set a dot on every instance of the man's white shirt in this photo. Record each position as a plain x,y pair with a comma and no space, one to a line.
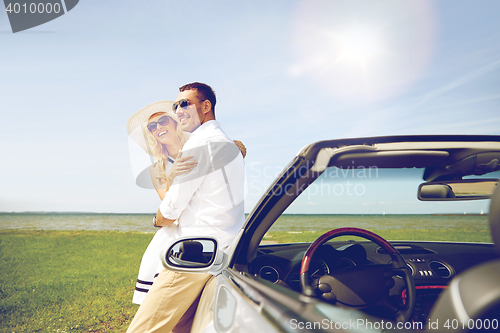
208,201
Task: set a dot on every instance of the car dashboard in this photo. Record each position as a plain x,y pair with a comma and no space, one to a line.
433,264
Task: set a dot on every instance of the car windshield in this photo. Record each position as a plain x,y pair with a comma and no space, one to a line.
383,201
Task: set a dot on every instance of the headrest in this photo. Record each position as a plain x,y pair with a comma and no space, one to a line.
192,251
191,247
494,217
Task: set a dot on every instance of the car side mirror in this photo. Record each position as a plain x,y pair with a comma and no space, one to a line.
191,255
464,189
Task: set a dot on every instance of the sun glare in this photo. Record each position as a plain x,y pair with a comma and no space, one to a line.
363,55
360,45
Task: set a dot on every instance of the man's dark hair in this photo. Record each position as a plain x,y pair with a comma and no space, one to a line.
204,90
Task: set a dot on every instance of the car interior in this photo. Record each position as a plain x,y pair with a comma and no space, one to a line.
432,266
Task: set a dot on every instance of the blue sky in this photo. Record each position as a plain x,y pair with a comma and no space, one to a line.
286,74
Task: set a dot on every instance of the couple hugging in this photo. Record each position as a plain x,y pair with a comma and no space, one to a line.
199,176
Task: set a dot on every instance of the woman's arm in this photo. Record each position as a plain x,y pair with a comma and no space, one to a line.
159,184
181,165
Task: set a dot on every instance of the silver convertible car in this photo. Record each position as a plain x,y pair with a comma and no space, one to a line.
401,237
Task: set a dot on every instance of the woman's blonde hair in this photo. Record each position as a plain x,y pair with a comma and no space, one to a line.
158,150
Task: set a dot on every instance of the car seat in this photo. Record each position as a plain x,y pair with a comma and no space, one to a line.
472,299
192,251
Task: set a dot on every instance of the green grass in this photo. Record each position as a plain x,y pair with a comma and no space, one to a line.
68,281
82,281
452,234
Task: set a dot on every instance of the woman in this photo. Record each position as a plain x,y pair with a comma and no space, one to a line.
157,130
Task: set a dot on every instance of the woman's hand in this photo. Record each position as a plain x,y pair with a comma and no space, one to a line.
181,166
242,147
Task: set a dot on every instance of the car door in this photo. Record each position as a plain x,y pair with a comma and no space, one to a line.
227,304
243,303
235,301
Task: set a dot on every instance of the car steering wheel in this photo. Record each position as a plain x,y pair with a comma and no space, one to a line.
361,286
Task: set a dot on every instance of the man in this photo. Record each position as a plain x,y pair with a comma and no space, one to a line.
208,201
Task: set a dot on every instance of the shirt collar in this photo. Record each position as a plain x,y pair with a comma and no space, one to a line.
205,126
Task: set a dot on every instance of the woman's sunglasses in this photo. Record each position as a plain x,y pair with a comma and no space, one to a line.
183,103
163,121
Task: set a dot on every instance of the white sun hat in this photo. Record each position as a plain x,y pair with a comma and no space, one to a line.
135,122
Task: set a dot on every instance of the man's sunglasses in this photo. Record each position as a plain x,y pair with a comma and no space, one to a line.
183,103
163,121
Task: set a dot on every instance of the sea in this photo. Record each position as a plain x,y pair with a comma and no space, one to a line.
287,222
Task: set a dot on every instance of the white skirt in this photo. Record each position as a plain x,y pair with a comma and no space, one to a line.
151,263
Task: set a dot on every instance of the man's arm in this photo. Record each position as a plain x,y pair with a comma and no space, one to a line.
211,157
182,189
162,221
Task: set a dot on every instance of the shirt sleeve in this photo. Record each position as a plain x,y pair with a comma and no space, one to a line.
185,185
210,157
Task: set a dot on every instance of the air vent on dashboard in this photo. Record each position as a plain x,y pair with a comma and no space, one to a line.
440,269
